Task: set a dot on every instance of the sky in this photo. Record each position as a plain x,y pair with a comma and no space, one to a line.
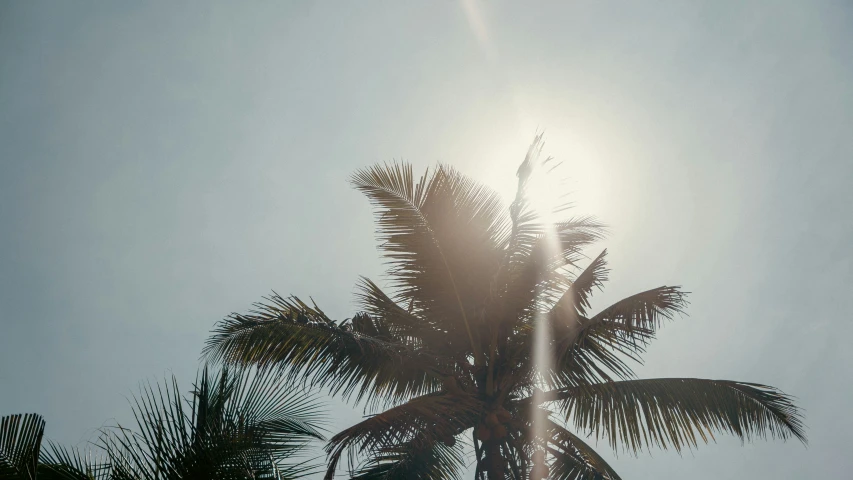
163,164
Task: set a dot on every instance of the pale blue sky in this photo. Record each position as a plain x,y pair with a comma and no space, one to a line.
165,164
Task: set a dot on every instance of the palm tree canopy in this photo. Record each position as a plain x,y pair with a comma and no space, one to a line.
235,425
451,345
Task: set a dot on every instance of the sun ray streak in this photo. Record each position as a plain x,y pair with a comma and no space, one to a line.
539,194
477,23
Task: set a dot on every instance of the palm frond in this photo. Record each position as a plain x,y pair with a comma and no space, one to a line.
533,281
569,238
526,226
643,312
440,238
235,425
405,326
576,299
420,460
678,412
646,309
286,418
574,459
621,331
628,325
20,444
588,360
288,334
420,421
529,229
64,463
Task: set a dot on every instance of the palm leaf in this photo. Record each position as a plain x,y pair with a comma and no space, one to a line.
235,425
567,240
586,361
642,312
20,444
678,412
418,460
574,459
526,227
646,309
576,299
532,282
289,334
63,463
624,328
420,421
440,238
405,326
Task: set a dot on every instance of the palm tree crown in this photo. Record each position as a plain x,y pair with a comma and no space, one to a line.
234,426
486,328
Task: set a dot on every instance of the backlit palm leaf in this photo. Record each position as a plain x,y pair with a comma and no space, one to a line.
576,299
441,239
625,328
406,326
20,444
574,459
679,412
418,460
288,333
419,422
234,426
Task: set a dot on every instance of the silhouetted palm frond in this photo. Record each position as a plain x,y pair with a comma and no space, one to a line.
301,340
678,412
575,300
20,444
418,460
404,325
420,422
234,425
64,463
441,238
601,343
574,459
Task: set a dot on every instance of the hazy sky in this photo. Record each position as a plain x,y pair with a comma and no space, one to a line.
164,164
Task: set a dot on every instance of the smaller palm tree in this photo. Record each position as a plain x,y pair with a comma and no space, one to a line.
22,456
235,425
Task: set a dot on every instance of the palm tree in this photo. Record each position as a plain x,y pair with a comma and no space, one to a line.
22,456
233,426
486,329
